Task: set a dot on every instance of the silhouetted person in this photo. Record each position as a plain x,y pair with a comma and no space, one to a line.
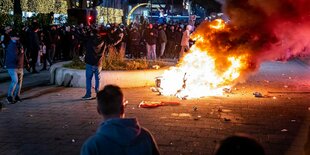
33,45
15,64
118,135
240,145
94,44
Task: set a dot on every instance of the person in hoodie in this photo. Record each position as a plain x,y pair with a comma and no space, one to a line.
15,64
118,135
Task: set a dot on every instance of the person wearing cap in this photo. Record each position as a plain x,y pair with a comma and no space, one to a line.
15,63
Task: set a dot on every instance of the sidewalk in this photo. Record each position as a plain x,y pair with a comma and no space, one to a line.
30,80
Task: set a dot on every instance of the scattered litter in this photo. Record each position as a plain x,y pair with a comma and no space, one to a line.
156,66
73,140
149,104
181,115
195,108
284,130
197,118
184,115
274,98
65,126
227,90
154,89
293,120
285,86
258,94
227,119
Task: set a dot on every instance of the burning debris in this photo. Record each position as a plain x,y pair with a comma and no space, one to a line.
258,94
225,53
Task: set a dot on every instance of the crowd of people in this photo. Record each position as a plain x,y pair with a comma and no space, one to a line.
47,44
116,134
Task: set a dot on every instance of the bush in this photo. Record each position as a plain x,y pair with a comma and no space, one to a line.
113,61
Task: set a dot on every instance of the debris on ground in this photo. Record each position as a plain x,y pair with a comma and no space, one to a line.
258,94
91,122
267,81
154,104
154,89
227,90
274,97
197,118
195,108
284,130
227,119
156,66
73,140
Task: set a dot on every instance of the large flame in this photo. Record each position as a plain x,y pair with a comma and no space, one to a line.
200,73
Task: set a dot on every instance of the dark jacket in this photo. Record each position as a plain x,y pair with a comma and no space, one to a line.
94,48
150,39
120,137
33,41
162,37
134,38
14,55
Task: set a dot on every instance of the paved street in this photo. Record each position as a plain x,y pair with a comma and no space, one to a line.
54,120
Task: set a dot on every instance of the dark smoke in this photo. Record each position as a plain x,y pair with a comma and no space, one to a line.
263,29
281,27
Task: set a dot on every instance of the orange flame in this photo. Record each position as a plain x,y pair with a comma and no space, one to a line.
198,74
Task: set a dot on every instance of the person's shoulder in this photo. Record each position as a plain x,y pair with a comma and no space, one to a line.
93,144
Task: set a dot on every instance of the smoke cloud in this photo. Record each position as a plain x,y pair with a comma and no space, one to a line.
261,29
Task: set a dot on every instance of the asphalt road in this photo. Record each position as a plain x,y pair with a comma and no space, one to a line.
54,120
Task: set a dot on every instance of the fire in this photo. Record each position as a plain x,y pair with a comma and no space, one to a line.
198,74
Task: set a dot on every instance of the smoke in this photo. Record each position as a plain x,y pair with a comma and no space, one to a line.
259,30
282,26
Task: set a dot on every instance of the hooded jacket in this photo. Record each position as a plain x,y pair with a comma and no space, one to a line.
119,136
14,55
